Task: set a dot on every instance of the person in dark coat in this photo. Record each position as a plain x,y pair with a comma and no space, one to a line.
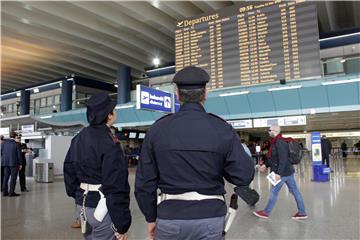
187,155
94,168
325,150
344,149
2,168
278,158
22,177
11,161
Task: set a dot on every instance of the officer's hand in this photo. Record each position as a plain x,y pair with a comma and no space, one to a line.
120,236
20,167
277,177
151,230
263,168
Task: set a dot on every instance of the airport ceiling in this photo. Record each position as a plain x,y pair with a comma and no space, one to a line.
46,40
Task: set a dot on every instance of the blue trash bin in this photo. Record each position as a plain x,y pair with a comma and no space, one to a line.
321,173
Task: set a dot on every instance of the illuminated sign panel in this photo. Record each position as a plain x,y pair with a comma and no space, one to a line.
259,43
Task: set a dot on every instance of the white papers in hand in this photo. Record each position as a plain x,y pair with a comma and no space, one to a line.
271,178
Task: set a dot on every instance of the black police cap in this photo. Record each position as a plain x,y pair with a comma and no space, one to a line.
98,108
191,77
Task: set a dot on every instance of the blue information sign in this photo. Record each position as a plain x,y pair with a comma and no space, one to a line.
316,148
152,99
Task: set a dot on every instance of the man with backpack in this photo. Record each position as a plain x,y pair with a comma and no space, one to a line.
280,157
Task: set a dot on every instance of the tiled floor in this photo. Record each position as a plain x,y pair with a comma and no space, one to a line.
333,208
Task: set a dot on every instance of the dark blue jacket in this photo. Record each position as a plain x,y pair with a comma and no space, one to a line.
10,153
96,157
279,161
189,151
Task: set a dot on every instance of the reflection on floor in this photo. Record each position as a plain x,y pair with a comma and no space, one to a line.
333,208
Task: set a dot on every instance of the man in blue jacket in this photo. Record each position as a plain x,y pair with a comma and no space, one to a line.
11,161
278,155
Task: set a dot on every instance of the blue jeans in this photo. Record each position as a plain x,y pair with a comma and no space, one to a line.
290,182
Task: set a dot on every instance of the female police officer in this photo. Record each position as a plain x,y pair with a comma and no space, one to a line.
95,169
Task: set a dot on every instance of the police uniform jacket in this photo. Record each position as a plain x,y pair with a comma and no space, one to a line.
96,157
189,151
279,161
10,153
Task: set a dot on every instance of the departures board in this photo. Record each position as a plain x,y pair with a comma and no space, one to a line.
247,45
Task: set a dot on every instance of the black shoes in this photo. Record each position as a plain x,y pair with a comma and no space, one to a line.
25,190
5,194
14,195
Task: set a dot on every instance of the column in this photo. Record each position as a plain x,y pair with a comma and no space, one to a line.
25,102
124,84
66,95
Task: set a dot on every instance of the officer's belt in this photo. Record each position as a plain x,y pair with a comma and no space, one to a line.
90,187
190,196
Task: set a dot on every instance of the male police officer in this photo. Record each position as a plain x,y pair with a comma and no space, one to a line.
11,161
95,167
186,155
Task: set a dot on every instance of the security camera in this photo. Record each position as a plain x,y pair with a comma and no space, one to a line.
143,75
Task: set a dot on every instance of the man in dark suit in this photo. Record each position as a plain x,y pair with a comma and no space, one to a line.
325,150
22,176
2,168
11,161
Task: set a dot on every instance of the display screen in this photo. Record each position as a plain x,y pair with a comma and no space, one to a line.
132,135
246,45
142,135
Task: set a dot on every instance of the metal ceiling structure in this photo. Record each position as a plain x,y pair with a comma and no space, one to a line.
46,40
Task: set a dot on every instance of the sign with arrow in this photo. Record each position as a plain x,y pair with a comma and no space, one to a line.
153,99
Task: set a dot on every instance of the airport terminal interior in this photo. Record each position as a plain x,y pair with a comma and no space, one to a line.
295,64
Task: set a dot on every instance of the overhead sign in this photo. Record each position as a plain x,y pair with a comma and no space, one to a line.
152,99
237,124
280,121
27,128
5,131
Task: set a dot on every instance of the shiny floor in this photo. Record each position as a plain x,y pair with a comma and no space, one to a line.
333,208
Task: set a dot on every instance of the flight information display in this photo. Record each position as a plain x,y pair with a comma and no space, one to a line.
247,45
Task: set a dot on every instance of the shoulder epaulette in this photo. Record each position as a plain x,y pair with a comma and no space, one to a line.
214,115
165,116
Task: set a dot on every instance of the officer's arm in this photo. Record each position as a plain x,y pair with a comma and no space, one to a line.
238,166
70,179
283,156
115,186
146,182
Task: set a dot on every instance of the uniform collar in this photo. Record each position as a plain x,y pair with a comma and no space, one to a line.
192,107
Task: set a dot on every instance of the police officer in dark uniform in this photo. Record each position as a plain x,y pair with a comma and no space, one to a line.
11,161
95,172
186,155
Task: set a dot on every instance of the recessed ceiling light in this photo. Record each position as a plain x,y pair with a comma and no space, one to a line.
156,61
24,20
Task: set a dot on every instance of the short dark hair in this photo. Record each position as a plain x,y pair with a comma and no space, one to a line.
13,134
192,95
106,119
